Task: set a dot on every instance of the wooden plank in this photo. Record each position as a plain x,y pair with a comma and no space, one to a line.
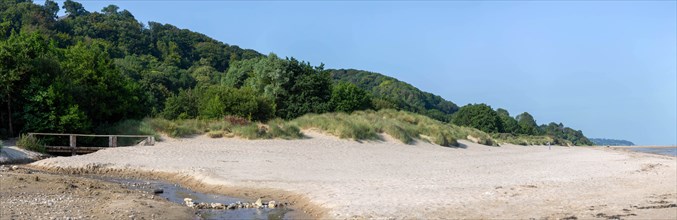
90,135
73,142
113,141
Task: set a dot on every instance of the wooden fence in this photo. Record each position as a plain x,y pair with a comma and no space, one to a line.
74,149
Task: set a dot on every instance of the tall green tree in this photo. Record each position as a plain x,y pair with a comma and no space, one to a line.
347,97
509,123
74,8
527,124
21,57
480,116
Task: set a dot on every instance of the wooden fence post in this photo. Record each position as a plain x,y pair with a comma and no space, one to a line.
112,141
73,142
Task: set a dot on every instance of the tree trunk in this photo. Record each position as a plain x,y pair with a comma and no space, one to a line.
9,114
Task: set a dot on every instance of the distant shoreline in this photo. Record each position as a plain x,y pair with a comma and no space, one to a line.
625,147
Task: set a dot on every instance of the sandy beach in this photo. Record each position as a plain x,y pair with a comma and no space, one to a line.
331,178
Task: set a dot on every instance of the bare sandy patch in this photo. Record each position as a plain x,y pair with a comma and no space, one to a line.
340,179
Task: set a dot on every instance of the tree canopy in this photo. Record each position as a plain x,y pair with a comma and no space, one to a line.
87,70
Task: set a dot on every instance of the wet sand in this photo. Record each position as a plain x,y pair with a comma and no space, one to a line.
343,179
25,194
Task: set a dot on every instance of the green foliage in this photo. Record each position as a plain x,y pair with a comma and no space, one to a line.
219,101
31,143
610,142
560,132
526,140
180,128
89,70
402,125
346,97
215,134
182,106
479,116
509,123
280,129
390,91
527,124
296,87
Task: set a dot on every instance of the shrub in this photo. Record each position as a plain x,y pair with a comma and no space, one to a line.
219,101
347,97
179,128
251,131
236,120
280,129
31,143
215,134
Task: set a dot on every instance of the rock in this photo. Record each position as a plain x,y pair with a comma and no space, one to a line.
203,205
15,167
189,202
232,206
217,205
158,191
258,203
271,204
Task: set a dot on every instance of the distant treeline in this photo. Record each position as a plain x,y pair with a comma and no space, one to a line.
85,71
611,142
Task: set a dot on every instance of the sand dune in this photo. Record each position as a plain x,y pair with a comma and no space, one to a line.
339,179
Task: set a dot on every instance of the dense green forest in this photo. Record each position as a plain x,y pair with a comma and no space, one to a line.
86,71
611,142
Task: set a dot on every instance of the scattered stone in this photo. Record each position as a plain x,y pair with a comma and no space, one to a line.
233,206
271,204
15,167
217,206
258,203
189,202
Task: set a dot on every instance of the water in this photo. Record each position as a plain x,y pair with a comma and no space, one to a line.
176,193
663,151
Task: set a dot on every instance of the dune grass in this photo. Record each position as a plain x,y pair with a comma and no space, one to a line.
526,140
360,125
404,126
31,143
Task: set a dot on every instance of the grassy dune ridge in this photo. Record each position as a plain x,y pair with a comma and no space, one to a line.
360,125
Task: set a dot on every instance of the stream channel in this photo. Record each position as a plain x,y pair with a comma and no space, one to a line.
175,193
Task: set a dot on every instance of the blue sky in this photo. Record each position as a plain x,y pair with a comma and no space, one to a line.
607,68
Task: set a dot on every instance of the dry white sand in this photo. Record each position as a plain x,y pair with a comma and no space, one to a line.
347,179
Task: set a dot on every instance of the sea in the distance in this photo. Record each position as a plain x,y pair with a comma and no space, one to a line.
670,151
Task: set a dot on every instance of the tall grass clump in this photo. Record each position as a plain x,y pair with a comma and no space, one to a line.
179,128
526,140
404,126
360,125
31,143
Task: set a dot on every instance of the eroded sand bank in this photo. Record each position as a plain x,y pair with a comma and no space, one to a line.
338,179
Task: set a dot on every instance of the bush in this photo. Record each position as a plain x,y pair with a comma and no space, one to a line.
180,128
31,143
220,101
251,131
235,120
215,134
279,129
347,97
